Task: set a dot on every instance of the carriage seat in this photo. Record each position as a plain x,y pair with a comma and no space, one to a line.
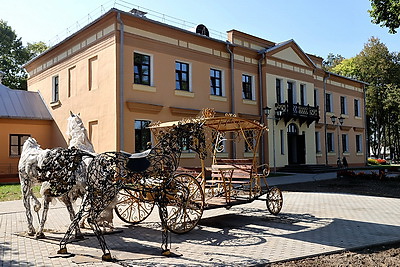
138,162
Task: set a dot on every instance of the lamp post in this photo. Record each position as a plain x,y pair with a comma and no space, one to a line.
338,123
278,113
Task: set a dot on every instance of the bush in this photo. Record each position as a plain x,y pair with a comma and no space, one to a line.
373,162
381,161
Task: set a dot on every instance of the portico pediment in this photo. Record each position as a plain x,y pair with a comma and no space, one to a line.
289,51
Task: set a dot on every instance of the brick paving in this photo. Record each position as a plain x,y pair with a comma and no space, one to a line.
309,224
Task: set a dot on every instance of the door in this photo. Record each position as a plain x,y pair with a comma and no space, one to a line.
296,146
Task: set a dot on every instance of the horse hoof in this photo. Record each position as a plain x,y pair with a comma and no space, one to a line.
31,233
40,236
107,257
62,251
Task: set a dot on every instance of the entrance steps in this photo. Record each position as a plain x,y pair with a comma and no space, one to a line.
308,168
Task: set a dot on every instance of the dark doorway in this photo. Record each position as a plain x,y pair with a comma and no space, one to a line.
296,146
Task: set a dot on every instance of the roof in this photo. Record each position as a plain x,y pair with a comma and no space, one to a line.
19,104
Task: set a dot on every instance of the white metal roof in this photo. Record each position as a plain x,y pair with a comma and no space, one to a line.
19,104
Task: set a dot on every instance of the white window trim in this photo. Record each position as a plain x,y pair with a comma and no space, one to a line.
316,97
190,74
305,93
151,65
345,105
253,86
222,81
53,100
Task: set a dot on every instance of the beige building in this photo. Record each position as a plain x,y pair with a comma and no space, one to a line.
124,71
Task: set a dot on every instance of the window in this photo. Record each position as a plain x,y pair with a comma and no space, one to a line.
142,135
55,89
16,143
182,76
345,143
328,102
215,82
282,135
291,92
141,69
356,108
93,76
316,102
343,105
317,142
72,81
330,142
247,87
278,86
303,95
358,143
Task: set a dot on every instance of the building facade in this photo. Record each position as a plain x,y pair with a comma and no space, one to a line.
124,71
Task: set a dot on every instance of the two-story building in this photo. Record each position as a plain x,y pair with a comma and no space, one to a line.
124,71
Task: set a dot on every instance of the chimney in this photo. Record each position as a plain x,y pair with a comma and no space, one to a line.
1,75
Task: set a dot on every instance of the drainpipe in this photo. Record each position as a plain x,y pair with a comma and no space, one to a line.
325,126
260,80
233,145
121,83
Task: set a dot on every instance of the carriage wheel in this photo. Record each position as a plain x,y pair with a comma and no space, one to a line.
132,206
185,203
274,200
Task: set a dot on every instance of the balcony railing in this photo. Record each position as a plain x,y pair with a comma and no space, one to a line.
304,114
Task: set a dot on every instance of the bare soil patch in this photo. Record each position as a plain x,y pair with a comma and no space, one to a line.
381,255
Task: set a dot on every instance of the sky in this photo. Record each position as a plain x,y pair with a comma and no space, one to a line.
319,27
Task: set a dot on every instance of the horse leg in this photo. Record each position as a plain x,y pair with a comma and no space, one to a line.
68,204
46,201
100,237
73,226
26,189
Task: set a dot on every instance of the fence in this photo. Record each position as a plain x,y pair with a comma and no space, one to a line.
8,173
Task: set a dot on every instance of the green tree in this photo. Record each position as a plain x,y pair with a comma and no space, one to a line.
379,67
13,55
331,61
386,13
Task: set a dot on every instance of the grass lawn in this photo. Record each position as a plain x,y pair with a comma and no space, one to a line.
13,192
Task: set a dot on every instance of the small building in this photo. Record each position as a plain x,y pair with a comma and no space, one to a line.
124,71
23,114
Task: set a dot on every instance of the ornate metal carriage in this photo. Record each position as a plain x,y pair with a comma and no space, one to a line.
219,181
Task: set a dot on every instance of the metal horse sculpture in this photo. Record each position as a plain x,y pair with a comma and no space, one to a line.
68,179
154,169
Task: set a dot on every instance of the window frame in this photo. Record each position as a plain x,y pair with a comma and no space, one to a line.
345,143
359,143
328,102
136,133
357,111
343,105
19,145
179,74
247,87
55,89
317,142
330,142
278,91
213,86
303,94
139,67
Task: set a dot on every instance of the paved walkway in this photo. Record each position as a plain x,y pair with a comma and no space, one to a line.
309,224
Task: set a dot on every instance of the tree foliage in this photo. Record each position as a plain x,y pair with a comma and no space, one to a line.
13,55
379,67
386,13
332,61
